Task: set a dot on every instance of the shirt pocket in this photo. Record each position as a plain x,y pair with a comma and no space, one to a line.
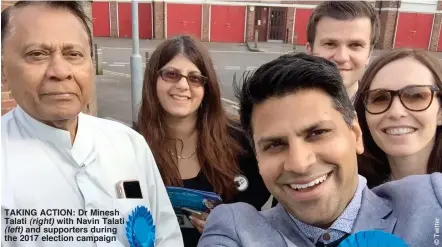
125,208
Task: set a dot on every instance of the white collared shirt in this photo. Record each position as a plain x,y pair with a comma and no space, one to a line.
41,169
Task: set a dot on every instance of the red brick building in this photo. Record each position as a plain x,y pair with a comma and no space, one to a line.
406,23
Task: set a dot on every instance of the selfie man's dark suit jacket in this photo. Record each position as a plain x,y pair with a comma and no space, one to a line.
407,208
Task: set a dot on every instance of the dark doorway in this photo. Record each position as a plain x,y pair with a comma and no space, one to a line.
261,16
277,19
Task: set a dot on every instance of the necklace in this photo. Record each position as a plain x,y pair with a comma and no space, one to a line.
181,157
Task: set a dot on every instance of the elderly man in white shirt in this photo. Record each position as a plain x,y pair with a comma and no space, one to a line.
67,178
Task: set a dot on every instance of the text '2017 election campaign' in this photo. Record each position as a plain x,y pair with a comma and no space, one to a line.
61,225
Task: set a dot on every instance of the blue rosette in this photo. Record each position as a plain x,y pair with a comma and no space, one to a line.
140,230
374,238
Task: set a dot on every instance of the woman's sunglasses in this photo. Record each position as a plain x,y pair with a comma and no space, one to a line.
174,75
413,98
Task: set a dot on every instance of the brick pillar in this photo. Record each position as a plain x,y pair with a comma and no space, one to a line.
159,19
308,2
8,102
290,24
205,23
250,24
437,32
91,108
87,6
113,15
6,4
387,18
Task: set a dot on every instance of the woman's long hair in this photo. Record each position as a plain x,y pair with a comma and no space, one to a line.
217,150
373,163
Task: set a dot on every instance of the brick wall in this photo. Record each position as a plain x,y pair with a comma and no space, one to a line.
91,108
308,2
250,28
436,32
386,9
289,24
205,23
113,15
159,20
7,100
6,4
387,18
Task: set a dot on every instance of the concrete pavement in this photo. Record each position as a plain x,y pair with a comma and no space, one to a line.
152,44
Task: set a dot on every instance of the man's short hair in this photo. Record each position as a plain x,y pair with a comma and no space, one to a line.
286,75
344,10
75,7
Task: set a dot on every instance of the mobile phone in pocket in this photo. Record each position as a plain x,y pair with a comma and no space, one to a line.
130,189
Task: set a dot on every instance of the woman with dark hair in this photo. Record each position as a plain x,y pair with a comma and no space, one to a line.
195,144
399,111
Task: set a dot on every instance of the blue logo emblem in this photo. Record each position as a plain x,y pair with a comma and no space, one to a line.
372,239
140,230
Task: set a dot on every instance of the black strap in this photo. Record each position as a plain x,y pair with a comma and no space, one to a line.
332,244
